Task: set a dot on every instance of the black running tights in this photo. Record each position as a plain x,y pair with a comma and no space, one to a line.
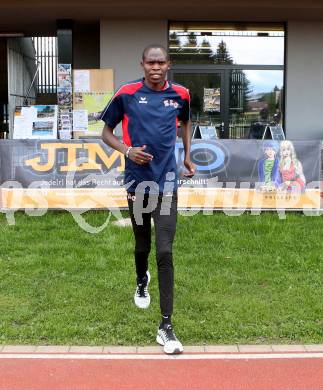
163,210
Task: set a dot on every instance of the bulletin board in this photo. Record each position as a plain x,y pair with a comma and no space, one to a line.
92,90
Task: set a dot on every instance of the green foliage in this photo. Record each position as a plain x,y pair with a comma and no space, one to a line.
271,100
222,55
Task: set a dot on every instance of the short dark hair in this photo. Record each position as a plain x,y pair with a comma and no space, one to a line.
155,46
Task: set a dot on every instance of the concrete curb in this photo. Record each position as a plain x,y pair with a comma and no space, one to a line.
48,349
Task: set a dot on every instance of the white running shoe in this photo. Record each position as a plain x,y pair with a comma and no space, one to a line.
142,297
167,338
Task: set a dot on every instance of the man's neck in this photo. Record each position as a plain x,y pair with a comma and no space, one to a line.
156,87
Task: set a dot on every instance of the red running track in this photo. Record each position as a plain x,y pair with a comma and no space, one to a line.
254,374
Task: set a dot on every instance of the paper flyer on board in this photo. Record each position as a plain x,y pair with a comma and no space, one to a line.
35,122
81,81
80,120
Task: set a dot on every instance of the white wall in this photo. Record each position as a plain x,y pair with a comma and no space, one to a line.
122,43
304,103
21,70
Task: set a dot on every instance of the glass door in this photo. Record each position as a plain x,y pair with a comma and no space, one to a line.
256,100
207,101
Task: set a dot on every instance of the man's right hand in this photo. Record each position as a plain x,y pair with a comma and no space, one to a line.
138,155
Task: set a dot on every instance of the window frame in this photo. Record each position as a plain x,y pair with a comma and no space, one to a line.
226,68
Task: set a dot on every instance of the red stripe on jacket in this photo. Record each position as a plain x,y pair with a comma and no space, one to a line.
182,91
129,89
125,131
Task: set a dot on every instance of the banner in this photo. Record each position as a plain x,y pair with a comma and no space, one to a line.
241,174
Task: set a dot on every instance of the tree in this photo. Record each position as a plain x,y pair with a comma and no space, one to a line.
205,53
191,40
239,86
188,52
222,55
174,47
271,98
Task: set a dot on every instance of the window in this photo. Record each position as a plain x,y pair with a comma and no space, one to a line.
250,58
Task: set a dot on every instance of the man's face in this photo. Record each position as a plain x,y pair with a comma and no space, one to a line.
155,66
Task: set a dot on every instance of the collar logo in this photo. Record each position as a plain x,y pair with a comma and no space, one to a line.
170,103
143,100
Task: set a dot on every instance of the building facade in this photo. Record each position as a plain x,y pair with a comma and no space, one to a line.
112,34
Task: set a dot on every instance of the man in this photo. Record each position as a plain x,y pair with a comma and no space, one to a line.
149,110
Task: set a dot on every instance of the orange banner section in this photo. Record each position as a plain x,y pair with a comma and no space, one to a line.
198,198
226,198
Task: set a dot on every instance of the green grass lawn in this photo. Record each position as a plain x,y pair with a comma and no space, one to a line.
246,279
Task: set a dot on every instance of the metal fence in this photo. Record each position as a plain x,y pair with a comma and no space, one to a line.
46,57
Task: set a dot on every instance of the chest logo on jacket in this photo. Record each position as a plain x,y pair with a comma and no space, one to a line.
143,100
170,103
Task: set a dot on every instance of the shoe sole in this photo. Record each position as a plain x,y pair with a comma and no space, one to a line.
144,307
175,351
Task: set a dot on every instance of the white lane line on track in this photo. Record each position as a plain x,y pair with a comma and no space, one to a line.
228,356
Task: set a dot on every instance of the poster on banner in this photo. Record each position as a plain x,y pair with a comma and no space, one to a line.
212,100
255,174
35,122
230,174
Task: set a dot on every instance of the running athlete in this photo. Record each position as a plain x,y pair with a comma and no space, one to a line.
150,109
